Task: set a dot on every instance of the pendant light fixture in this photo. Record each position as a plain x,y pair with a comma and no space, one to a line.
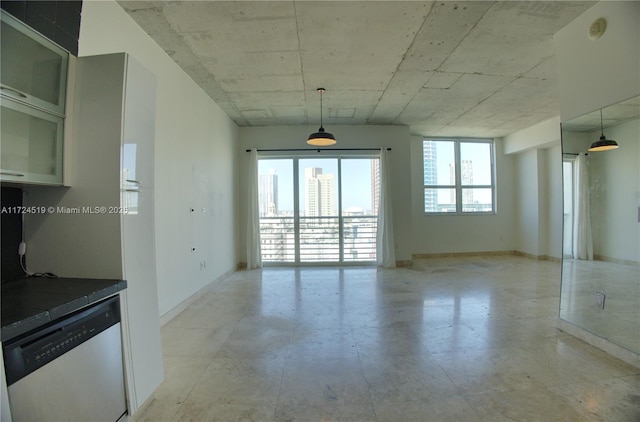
603,144
321,138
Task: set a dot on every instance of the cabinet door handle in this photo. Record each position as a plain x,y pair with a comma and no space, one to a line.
14,91
134,181
9,173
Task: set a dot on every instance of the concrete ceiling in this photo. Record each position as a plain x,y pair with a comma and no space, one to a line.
445,68
611,116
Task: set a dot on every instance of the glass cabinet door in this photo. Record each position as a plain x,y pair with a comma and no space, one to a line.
31,143
34,69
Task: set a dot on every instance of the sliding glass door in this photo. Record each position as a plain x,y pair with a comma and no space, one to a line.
277,211
318,210
359,212
319,225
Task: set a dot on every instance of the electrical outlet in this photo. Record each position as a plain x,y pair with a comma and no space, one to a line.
600,300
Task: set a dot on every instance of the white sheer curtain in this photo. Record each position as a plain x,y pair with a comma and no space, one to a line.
583,240
386,252
254,256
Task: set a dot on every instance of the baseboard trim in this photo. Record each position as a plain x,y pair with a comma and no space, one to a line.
176,310
615,260
538,257
141,408
461,254
486,253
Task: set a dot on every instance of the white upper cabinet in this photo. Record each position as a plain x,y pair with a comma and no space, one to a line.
31,142
34,69
33,81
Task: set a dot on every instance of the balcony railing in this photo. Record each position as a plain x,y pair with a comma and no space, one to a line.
319,239
277,239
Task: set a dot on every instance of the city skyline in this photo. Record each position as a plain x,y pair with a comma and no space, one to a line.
268,193
359,187
439,173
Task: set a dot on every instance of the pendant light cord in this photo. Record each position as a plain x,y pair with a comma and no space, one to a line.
320,90
601,124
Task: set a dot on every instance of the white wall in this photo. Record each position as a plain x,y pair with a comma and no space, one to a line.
543,135
195,161
576,142
615,194
596,73
554,210
435,234
538,177
527,211
395,137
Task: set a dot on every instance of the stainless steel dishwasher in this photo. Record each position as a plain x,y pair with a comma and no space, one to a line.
69,370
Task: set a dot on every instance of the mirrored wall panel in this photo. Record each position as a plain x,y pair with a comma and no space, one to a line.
601,263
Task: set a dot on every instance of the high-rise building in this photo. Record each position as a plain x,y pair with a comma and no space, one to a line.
319,193
375,185
268,194
466,177
311,191
430,159
327,203
452,182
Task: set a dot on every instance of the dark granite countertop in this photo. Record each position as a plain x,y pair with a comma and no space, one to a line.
34,301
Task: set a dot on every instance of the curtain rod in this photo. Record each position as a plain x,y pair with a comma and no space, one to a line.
323,149
573,153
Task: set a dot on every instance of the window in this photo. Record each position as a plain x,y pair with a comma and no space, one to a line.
458,176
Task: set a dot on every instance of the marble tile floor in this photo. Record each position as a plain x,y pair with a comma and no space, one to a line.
448,339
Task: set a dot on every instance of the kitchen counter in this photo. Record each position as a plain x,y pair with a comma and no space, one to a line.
34,301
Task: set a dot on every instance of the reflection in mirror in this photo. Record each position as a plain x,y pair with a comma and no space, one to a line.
601,263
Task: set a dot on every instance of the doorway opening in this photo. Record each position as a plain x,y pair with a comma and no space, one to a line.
568,185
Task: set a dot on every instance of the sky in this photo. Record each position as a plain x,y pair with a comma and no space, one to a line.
356,180
478,153
468,151
356,175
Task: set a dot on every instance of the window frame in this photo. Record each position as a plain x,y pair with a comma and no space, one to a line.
297,261
458,187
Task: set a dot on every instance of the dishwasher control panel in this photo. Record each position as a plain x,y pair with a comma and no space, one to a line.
71,337
35,349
